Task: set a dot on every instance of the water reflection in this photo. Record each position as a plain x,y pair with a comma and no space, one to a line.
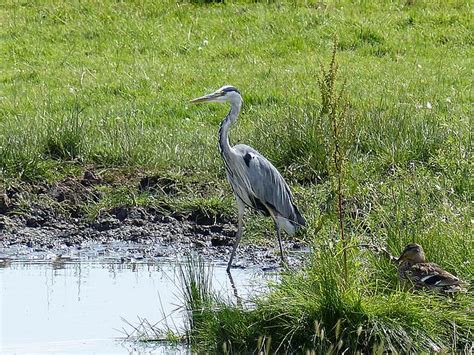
64,305
4,262
234,289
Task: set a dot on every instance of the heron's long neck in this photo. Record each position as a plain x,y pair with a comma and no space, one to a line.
224,145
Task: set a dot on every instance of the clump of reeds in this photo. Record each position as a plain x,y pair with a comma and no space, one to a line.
316,311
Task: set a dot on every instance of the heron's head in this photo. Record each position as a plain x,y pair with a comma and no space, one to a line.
413,253
226,93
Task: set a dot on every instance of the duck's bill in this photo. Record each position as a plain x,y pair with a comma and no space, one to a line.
207,98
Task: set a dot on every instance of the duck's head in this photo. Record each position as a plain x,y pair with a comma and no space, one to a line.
413,253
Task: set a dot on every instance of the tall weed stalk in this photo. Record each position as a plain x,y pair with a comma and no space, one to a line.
338,124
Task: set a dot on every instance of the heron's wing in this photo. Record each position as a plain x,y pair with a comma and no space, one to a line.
266,184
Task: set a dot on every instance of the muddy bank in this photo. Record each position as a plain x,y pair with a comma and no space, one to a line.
47,221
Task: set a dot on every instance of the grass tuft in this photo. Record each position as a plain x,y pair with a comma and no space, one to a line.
315,310
64,139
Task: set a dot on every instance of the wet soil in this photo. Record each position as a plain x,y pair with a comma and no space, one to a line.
48,221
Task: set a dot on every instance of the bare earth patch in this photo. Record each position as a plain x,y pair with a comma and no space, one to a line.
47,221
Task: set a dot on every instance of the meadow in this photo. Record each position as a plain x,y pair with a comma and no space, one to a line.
105,86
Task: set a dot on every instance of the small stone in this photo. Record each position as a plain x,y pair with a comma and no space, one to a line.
90,178
106,224
5,203
220,241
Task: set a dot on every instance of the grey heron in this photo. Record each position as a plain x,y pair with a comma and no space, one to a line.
255,182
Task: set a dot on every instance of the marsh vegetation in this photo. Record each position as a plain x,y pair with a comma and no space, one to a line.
105,87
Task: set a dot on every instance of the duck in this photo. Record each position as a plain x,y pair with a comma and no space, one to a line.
415,271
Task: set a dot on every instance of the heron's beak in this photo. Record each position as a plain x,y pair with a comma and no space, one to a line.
207,98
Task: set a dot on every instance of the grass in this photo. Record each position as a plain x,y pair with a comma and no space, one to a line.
316,310
110,84
105,86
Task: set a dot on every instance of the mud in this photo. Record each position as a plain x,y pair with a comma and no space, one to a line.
48,222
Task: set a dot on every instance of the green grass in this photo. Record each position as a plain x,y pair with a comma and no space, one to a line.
315,310
109,84
106,86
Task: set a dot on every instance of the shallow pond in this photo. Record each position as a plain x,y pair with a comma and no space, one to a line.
60,306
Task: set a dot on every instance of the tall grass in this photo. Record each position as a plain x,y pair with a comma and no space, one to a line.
315,310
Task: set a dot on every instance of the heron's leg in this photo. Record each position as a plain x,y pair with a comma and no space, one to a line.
234,287
239,234
278,232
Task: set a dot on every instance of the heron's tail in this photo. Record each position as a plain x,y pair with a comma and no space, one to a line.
292,223
299,218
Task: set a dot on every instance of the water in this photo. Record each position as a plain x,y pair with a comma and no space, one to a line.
79,305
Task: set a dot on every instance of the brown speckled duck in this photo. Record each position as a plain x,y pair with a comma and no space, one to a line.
413,269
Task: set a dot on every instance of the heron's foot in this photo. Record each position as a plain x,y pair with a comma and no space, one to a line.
235,266
284,262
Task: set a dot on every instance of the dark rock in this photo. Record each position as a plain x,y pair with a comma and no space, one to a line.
201,218
178,217
163,184
297,245
34,221
5,222
5,203
58,193
120,212
12,192
161,219
138,213
200,230
90,178
138,222
199,243
133,238
220,241
76,212
106,224
216,228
